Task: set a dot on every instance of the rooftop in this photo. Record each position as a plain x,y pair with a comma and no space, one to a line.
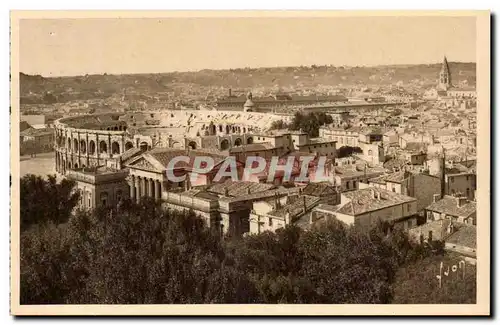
296,206
235,189
371,199
465,235
450,206
37,132
252,147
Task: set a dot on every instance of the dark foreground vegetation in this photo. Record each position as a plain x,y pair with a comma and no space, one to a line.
142,254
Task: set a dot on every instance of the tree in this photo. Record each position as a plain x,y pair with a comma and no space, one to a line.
143,254
278,125
346,151
43,200
310,122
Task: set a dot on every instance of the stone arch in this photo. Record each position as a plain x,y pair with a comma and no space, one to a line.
192,145
83,146
115,128
83,166
75,145
76,165
69,164
115,148
69,143
176,145
244,130
129,145
237,142
63,142
224,145
249,140
103,147
213,129
91,147
144,146
220,127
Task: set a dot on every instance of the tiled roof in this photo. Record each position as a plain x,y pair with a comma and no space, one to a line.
252,147
164,156
130,154
296,206
326,208
363,201
23,125
397,177
239,188
318,189
449,206
466,236
37,132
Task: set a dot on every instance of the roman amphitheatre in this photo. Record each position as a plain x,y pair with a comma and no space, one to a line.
93,140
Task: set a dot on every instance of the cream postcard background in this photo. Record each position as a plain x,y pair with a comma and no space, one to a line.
482,307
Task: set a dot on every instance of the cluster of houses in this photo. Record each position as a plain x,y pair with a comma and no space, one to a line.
417,174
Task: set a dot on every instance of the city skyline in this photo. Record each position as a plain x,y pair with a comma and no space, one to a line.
70,47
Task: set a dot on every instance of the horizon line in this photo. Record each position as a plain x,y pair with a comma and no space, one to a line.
241,68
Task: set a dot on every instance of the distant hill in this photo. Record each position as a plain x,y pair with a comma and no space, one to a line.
40,89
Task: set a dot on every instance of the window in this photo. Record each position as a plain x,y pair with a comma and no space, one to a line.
347,185
270,222
119,195
104,199
410,223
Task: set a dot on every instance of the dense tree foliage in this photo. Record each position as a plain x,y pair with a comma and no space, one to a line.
310,122
417,283
278,125
346,151
141,253
43,200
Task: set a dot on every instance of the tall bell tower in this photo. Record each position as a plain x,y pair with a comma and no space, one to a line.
444,76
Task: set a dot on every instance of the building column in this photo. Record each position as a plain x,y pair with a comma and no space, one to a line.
138,188
132,187
152,193
143,187
87,148
158,190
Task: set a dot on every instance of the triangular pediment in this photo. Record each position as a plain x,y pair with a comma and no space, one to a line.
143,164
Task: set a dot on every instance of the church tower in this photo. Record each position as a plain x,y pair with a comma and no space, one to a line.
444,76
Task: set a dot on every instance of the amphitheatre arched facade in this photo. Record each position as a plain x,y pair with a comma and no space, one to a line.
95,140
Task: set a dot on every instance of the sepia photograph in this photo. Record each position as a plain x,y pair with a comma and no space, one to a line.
250,163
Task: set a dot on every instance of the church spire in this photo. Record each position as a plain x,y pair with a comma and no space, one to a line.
444,75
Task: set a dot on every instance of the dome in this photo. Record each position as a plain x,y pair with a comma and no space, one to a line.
249,102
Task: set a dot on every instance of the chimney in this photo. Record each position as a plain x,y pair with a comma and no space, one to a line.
287,218
461,201
450,228
436,198
443,171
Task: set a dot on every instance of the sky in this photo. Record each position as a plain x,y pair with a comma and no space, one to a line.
67,47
